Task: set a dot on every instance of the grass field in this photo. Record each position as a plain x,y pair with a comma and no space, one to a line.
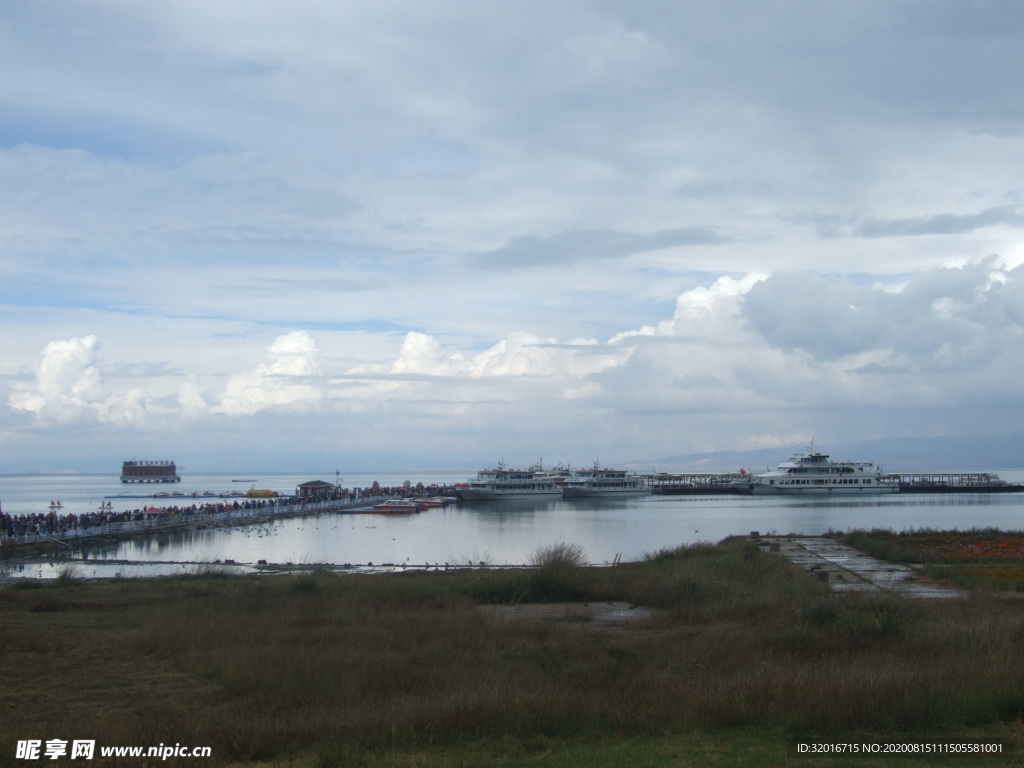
742,658
979,559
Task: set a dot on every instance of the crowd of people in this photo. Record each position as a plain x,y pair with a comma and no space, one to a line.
53,523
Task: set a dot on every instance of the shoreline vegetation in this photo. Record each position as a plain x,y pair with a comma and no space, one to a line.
738,657
980,558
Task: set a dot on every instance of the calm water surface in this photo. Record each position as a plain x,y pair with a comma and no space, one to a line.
495,533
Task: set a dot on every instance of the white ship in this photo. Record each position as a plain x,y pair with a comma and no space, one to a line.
813,473
603,483
512,484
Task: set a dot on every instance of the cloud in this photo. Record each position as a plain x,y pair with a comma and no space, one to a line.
192,402
422,354
519,355
739,356
596,245
68,386
704,312
790,351
940,224
290,381
942,319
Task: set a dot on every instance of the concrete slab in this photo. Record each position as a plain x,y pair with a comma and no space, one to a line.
846,569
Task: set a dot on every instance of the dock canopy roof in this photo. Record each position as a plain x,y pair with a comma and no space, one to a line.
314,488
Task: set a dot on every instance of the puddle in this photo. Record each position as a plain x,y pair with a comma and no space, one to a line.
605,613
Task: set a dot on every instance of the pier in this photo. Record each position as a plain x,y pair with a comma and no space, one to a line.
158,520
696,484
954,482
846,569
712,483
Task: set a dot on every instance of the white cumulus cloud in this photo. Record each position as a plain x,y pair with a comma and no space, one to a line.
68,385
291,379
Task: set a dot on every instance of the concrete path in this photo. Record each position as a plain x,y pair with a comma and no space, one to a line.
847,569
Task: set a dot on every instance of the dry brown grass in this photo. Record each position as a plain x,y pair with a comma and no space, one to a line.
351,667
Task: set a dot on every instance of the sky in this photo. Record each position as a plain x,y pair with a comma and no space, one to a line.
573,231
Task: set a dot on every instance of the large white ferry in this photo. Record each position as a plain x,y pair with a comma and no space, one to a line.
601,482
814,472
512,484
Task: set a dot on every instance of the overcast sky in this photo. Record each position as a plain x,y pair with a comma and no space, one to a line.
486,230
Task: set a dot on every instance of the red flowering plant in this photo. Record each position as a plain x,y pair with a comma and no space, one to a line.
975,558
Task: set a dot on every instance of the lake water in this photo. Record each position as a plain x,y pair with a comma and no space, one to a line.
505,533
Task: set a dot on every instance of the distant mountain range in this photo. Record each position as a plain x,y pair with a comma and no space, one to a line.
921,454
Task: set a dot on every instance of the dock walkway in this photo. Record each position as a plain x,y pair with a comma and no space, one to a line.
849,570
176,521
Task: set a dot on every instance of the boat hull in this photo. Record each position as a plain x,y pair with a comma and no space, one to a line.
598,493
774,490
473,494
398,507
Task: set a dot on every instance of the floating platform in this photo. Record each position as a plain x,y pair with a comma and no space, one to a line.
149,472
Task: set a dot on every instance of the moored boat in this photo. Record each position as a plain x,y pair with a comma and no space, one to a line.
260,493
602,482
398,506
434,502
816,473
511,484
